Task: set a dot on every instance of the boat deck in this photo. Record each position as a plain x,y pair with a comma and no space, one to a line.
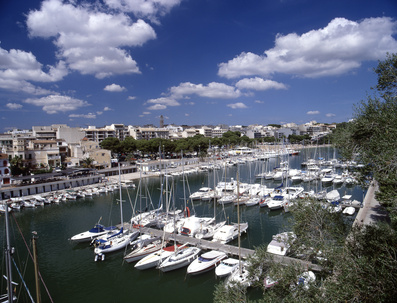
229,249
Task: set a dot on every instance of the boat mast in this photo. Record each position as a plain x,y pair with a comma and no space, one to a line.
121,199
238,223
36,267
9,250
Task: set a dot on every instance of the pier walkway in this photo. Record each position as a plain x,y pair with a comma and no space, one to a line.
229,249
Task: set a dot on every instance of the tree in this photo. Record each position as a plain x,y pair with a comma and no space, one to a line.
17,167
88,162
371,137
128,146
112,144
387,75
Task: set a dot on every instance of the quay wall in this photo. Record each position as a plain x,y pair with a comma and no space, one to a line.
41,188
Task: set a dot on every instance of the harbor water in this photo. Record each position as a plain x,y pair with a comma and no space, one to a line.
69,270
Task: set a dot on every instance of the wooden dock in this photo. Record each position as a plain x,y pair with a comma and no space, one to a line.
229,249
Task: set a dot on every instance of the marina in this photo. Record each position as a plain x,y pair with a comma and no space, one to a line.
69,269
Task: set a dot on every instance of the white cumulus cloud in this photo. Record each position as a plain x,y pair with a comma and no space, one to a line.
157,107
55,103
86,116
18,68
14,105
313,112
237,105
144,8
88,39
259,84
114,88
338,48
212,90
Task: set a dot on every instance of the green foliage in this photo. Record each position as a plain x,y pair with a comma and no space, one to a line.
17,166
367,268
128,146
387,75
357,268
88,162
371,137
298,138
112,144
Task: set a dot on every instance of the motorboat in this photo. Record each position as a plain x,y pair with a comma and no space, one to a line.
276,202
228,232
226,267
332,196
281,243
206,262
96,231
180,258
198,194
154,259
350,210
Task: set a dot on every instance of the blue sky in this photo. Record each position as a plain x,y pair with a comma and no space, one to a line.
235,62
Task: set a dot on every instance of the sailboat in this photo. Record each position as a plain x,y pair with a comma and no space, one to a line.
117,241
9,297
240,275
154,259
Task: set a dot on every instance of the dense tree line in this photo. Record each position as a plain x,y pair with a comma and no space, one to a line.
197,144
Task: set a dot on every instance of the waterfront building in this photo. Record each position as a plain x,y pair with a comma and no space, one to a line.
147,133
5,172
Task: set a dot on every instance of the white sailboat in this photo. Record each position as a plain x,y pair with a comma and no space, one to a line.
240,274
117,241
143,247
180,258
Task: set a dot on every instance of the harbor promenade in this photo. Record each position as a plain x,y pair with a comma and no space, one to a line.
371,212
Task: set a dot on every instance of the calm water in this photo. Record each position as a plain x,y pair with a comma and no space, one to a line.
70,272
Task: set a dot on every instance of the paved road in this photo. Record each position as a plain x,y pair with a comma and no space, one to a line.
372,211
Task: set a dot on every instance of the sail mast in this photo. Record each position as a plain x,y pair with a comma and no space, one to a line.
121,199
8,258
36,267
238,222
